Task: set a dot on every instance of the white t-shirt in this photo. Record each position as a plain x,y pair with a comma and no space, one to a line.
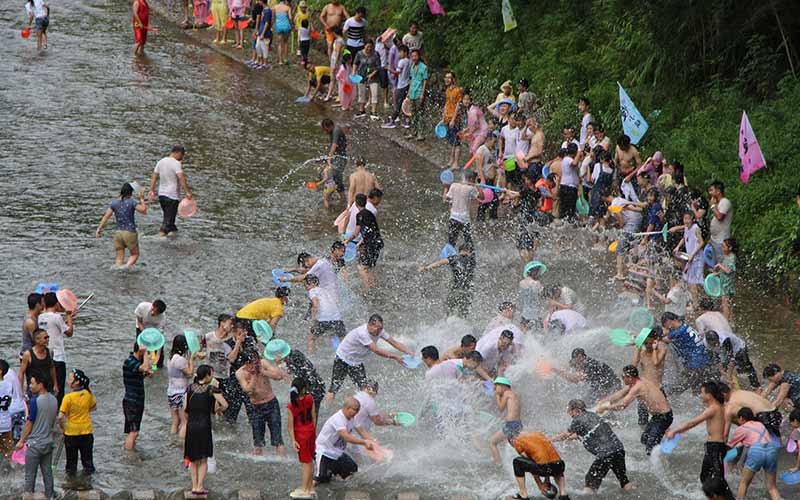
720,230
572,320
510,138
413,41
598,167
143,312
631,218
485,159
530,298
368,409
569,173
487,346
304,33
524,141
178,381
217,351
38,9
354,32
678,297
446,370
404,70
459,196
628,191
17,396
354,348
564,144
168,169
585,121
329,442
6,400
323,270
713,320
328,308
55,326
351,220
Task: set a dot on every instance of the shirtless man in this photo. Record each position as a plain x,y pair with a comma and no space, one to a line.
361,181
649,359
714,417
507,400
332,15
264,410
765,411
626,156
537,142
653,398
468,343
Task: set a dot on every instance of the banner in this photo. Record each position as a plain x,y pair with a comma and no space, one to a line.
633,124
749,150
509,21
436,8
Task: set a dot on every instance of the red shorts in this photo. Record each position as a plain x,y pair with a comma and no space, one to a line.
139,36
308,446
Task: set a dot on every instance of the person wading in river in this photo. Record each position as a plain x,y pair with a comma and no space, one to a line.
264,410
169,173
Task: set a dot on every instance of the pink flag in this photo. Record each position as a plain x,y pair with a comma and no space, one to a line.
749,150
436,8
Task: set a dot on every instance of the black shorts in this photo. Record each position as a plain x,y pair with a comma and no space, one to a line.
525,464
383,78
369,254
320,328
133,416
326,467
525,237
600,467
655,430
325,81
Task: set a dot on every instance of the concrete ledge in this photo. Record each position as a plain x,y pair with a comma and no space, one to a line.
461,497
191,496
143,495
249,495
356,495
34,496
408,496
89,495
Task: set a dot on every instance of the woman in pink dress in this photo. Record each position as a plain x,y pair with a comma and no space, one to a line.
477,129
343,77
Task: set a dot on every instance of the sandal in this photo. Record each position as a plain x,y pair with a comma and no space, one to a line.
519,497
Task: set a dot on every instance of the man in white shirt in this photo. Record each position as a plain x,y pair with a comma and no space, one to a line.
368,414
459,194
325,314
451,369
566,321
354,349
169,173
721,217
568,189
507,144
323,268
354,30
151,315
6,399
331,444
497,352
17,408
57,329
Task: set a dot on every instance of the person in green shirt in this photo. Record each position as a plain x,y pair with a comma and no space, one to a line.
419,83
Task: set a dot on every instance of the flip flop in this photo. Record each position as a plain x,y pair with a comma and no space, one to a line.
519,497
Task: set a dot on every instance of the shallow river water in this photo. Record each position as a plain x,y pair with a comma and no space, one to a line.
84,117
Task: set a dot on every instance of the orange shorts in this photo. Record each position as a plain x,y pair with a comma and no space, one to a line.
329,36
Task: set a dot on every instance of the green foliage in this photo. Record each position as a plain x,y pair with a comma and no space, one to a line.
690,67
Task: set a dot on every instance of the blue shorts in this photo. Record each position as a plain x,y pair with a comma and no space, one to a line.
42,23
512,429
266,416
452,136
762,456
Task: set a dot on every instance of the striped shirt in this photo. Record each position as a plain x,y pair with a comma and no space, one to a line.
355,32
133,379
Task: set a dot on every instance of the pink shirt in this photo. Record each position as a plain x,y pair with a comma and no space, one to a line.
750,433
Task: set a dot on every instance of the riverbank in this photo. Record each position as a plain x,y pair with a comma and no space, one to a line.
292,76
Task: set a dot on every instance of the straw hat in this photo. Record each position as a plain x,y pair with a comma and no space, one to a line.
505,84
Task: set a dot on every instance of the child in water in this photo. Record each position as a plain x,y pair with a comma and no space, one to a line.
302,423
328,184
726,270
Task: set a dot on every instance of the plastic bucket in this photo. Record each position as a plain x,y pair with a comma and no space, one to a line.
187,208
67,299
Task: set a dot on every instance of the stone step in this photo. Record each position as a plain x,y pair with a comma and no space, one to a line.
34,496
356,495
408,496
143,495
188,495
249,495
89,495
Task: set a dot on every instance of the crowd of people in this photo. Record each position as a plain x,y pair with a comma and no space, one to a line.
667,239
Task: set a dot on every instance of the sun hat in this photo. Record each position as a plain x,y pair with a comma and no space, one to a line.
502,381
505,84
277,346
